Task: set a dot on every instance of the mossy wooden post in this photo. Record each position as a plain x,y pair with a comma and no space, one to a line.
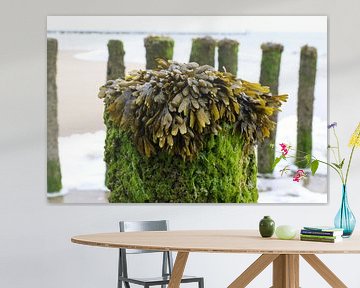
203,51
269,76
305,108
115,64
131,177
190,146
115,69
53,163
228,55
158,47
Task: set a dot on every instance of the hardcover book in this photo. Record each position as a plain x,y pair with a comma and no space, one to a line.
325,240
321,233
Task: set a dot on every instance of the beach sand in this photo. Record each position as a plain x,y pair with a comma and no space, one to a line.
78,82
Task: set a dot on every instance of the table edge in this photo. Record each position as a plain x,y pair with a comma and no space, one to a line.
203,250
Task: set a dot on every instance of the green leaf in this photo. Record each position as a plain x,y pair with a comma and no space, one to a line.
342,163
276,161
314,166
336,165
308,159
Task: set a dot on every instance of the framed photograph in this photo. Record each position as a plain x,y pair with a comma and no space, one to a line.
187,109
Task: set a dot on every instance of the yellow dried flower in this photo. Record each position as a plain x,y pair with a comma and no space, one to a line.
355,138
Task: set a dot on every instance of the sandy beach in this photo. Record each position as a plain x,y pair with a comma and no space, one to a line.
78,81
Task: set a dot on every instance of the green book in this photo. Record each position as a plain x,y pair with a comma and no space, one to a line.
325,240
324,229
319,236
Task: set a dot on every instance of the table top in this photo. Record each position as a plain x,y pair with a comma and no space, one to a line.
216,241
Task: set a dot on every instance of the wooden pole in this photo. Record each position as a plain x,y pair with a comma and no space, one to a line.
270,70
158,47
115,64
305,108
53,163
228,55
115,70
203,51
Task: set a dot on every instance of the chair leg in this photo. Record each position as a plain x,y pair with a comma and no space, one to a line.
201,283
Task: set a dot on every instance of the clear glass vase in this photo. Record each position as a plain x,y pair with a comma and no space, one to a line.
345,219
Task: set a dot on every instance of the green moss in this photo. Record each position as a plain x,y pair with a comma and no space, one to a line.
122,172
307,77
270,66
53,176
304,144
269,76
203,51
158,47
222,173
228,55
115,64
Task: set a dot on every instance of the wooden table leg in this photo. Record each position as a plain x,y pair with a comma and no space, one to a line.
286,271
253,270
178,269
324,271
293,262
279,272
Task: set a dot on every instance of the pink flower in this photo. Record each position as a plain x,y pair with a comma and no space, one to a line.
300,174
284,149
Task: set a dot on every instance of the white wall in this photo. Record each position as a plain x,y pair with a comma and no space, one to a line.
35,248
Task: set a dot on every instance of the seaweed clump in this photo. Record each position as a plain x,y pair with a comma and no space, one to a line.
189,133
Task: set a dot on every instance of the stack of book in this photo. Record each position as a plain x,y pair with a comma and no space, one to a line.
321,234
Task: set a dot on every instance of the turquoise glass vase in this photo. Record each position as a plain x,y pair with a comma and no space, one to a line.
345,219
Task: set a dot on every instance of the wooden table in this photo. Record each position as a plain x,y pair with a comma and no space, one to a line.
284,254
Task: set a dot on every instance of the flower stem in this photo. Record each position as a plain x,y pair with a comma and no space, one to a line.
350,159
336,169
348,166
338,149
338,145
334,154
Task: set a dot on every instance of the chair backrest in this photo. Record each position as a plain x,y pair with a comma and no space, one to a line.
137,226
133,226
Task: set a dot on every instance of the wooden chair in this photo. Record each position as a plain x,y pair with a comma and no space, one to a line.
167,262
